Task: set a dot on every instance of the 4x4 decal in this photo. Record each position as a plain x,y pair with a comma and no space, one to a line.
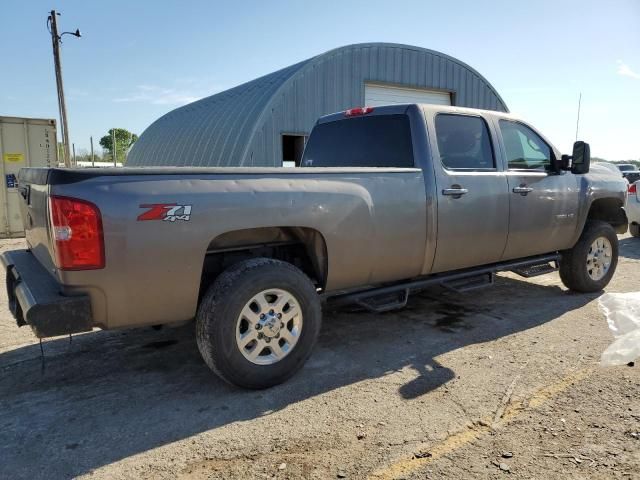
168,212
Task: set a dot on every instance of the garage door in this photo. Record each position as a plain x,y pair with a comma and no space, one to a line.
375,95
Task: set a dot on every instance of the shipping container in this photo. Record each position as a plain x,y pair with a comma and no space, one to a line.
24,142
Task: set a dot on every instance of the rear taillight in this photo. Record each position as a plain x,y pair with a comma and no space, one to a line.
76,227
633,189
352,112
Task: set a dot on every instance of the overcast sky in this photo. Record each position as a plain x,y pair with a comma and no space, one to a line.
137,60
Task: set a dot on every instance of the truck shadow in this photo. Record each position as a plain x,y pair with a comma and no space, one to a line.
109,395
630,248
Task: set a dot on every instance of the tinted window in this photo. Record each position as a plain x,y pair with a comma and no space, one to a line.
525,149
464,142
374,141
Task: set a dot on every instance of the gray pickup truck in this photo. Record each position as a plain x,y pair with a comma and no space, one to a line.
389,200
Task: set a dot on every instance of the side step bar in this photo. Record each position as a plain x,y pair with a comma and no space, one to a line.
535,270
469,283
385,303
391,297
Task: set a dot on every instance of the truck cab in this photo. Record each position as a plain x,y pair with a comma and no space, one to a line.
496,188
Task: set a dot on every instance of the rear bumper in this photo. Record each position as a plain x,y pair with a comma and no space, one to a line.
34,298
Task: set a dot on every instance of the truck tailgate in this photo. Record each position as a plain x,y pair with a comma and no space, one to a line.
33,188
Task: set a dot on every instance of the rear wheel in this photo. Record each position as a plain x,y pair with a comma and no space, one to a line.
634,229
258,323
590,264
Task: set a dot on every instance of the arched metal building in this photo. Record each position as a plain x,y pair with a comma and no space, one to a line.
265,122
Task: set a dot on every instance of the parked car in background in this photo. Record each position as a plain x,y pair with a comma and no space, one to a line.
629,171
632,176
396,198
633,208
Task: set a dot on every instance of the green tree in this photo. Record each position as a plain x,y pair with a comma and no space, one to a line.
124,140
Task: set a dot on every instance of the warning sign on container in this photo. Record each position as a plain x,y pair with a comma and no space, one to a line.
13,157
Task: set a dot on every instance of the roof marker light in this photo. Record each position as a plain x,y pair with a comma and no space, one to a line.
352,112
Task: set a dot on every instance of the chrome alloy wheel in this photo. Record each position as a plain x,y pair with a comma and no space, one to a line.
599,258
269,326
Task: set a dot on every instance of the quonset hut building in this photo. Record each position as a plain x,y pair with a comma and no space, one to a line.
266,121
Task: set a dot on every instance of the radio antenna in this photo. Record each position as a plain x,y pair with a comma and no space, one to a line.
578,120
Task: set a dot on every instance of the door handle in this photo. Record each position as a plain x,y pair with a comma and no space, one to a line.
455,192
522,190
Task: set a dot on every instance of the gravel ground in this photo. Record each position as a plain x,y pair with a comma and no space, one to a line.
501,382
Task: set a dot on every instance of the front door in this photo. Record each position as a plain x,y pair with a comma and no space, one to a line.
543,204
473,199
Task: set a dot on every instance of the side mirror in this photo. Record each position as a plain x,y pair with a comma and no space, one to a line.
581,158
563,164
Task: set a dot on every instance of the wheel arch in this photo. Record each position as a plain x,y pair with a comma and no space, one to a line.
610,210
304,247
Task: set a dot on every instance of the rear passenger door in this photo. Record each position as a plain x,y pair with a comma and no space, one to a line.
473,202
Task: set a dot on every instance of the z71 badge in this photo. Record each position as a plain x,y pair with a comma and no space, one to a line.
168,212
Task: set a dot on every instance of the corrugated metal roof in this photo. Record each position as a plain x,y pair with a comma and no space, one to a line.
243,125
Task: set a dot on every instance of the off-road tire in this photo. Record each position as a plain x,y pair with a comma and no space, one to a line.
573,264
217,317
634,229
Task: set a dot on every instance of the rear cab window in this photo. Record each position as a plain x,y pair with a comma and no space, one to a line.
366,141
464,142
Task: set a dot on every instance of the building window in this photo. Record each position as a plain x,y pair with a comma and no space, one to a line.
292,148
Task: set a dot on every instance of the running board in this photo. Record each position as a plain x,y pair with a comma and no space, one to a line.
466,284
535,270
391,297
385,303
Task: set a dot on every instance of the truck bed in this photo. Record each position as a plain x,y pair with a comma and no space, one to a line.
342,209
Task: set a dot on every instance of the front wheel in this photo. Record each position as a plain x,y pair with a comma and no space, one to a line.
257,324
590,264
634,229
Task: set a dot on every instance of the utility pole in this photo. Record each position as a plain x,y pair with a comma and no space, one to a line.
52,23
93,162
